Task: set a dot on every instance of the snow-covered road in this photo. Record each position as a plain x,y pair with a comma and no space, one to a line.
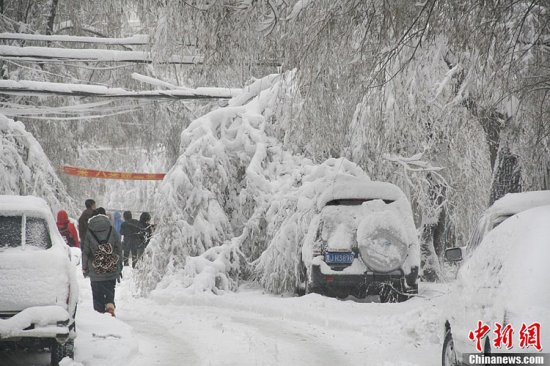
252,328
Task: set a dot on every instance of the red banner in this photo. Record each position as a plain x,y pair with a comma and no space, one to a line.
102,174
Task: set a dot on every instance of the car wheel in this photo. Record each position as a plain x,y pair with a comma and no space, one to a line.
60,351
448,355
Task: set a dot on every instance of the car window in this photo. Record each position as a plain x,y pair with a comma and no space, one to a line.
10,231
37,234
499,220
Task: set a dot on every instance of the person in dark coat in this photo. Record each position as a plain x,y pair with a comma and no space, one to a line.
102,261
86,215
146,229
67,229
131,237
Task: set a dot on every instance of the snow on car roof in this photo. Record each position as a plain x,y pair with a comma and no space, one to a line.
13,203
513,203
344,186
516,252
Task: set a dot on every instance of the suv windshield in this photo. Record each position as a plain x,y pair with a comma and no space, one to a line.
36,232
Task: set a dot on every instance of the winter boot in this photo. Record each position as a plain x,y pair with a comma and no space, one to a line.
110,308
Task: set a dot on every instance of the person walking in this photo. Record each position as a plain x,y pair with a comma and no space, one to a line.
145,234
67,229
102,261
131,238
86,215
117,221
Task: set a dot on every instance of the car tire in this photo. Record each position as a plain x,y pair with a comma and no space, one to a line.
448,354
310,289
60,351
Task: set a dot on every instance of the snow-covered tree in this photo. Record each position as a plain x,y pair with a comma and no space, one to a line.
26,170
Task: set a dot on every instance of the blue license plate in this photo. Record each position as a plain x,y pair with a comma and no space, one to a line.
339,257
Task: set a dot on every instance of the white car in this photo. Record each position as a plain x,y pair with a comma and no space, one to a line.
38,287
503,208
505,282
362,241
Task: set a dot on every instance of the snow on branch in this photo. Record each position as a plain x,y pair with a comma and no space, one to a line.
237,204
201,90
416,164
138,39
26,170
27,87
45,54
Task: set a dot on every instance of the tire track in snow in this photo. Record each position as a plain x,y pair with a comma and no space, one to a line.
306,349
158,345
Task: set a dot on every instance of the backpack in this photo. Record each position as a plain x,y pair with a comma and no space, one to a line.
66,234
105,260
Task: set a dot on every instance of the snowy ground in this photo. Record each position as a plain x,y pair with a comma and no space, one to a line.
252,328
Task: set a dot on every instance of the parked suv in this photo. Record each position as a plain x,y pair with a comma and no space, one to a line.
38,287
362,241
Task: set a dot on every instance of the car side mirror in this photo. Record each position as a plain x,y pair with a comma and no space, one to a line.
453,254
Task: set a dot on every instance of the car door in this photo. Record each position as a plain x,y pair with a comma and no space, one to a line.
476,302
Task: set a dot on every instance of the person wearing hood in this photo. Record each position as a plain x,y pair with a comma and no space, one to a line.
117,221
102,261
67,229
86,215
146,229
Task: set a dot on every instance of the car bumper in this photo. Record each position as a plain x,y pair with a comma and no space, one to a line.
367,281
28,324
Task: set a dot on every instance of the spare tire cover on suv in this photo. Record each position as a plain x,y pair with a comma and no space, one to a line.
381,242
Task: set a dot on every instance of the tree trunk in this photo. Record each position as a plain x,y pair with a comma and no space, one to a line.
51,17
429,261
506,174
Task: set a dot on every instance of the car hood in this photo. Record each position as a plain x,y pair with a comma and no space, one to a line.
30,277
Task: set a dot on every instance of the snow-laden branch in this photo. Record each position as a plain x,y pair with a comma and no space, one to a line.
27,87
66,54
416,164
161,83
138,39
153,81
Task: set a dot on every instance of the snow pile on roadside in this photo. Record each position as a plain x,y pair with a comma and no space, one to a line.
25,169
238,189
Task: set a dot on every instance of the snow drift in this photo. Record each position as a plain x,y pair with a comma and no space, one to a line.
25,169
238,203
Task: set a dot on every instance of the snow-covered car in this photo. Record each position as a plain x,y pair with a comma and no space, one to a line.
502,292
500,210
362,241
38,287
